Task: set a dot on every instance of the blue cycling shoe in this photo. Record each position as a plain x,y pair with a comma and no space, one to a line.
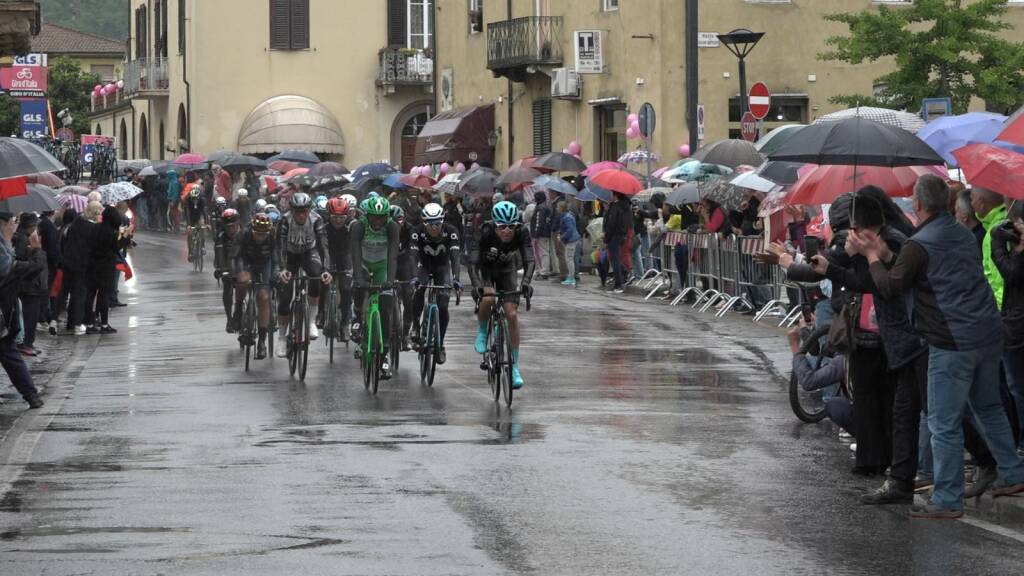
481,341
517,378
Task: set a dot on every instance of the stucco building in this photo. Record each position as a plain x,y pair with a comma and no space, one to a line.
19,22
343,78
508,54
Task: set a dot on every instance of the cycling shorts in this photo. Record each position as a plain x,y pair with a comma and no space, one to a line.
501,279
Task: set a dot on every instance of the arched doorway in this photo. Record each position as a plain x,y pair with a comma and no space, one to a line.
123,143
183,143
160,144
143,138
407,126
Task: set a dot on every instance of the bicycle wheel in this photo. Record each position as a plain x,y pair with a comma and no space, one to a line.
331,323
199,254
435,345
426,344
506,365
809,407
377,354
302,352
366,357
494,348
249,328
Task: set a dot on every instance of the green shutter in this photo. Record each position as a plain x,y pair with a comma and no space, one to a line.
398,15
280,25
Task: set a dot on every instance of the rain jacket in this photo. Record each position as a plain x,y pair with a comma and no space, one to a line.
173,187
1011,266
567,228
994,218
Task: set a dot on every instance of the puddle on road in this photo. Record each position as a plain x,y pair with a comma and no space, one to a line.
44,531
487,433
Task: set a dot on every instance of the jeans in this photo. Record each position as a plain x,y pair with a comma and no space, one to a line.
641,245
681,254
1013,364
925,463
578,257
559,249
959,379
570,260
615,256
29,315
17,370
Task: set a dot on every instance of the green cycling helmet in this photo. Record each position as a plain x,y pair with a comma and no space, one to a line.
505,212
378,207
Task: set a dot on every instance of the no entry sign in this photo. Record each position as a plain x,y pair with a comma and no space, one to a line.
748,127
760,99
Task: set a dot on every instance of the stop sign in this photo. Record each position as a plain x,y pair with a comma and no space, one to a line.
748,127
760,99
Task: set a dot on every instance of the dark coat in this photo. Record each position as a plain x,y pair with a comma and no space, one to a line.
1011,266
9,284
618,221
34,283
105,252
50,236
77,245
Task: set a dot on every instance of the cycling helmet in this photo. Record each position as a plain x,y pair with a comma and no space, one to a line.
261,223
229,216
397,213
275,216
260,205
337,206
321,202
271,209
378,207
364,205
243,193
505,212
432,213
272,199
350,199
194,191
373,194
301,201
221,201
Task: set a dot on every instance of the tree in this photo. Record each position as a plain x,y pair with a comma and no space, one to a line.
941,48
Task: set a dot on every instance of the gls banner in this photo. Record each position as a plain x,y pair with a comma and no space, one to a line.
34,118
24,81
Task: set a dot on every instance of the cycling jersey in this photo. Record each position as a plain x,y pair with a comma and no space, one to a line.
223,249
497,261
338,246
406,258
374,252
195,210
297,239
434,253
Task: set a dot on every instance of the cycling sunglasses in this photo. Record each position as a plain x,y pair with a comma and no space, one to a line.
506,226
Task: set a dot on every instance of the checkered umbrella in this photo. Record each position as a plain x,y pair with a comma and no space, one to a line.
448,184
638,157
905,120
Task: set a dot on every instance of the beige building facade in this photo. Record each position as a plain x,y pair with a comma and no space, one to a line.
345,79
634,52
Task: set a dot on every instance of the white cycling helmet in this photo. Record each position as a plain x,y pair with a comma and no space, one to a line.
351,200
243,193
220,200
261,204
432,212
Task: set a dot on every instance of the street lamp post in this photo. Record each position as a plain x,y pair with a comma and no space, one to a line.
741,42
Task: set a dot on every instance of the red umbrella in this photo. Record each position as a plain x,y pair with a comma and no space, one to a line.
992,167
189,158
1014,130
599,166
417,181
294,172
11,187
531,162
46,179
823,184
617,180
282,166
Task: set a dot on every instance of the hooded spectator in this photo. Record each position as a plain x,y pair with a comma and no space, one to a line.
102,264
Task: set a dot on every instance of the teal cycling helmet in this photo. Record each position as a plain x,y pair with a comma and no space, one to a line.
321,202
397,213
378,207
373,194
505,212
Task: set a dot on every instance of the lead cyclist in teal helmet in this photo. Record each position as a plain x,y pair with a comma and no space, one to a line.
501,240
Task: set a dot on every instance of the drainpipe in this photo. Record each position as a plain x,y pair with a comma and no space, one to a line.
511,115
188,87
131,102
692,77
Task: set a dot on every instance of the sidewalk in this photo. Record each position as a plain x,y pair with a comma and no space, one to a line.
56,352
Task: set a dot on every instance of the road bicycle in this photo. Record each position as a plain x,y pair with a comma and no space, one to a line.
371,350
272,325
332,313
498,357
809,405
104,164
247,335
430,333
196,246
298,326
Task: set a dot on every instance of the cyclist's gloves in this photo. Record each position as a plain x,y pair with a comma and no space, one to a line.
217,274
527,291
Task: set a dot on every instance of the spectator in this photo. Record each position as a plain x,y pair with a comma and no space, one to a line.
1008,256
173,196
102,262
12,271
569,236
556,242
642,245
965,215
940,268
713,216
32,289
991,212
829,374
50,236
540,231
618,222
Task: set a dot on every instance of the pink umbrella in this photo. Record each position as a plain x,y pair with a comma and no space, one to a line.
189,158
294,172
657,173
46,179
417,181
599,166
76,201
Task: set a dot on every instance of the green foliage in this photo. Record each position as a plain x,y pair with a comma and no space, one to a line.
107,18
940,47
70,88
10,112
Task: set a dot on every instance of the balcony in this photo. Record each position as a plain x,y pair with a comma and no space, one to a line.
515,46
399,67
146,77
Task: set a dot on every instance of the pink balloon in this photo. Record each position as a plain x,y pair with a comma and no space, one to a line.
97,87
474,166
632,133
635,125
444,169
634,117
574,147
684,151
460,167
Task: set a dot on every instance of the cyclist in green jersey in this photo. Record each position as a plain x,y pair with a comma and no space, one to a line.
374,245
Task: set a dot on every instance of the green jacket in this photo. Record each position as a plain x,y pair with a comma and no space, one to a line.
994,218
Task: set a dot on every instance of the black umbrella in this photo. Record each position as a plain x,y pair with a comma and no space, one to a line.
297,156
242,162
327,169
330,183
784,173
221,156
731,153
857,141
560,162
39,198
478,182
686,194
21,158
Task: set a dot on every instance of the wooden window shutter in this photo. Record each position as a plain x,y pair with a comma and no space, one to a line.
398,15
299,24
181,26
280,25
541,126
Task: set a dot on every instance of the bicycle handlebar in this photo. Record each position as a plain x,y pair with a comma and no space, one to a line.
508,294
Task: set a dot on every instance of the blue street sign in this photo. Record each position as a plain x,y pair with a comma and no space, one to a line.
34,119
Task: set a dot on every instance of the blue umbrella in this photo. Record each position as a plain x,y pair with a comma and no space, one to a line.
394,181
592,191
554,184
374,170
952,132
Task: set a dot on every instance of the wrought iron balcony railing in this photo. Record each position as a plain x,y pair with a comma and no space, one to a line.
522,42
146,75
404,67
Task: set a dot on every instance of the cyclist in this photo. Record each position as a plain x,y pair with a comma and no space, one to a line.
341,257
374,245
406,271
437,249
302,240
244,206
195,212
353,207
256,260
223,263
500,241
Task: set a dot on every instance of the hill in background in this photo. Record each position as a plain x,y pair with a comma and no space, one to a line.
108,18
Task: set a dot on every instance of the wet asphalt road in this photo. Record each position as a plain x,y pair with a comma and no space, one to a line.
648,440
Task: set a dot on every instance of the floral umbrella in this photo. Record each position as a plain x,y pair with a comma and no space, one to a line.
638,157
118,192
449,184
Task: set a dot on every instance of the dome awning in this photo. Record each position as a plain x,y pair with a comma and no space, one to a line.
290,122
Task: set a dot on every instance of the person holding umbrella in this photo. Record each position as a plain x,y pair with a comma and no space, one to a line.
33,287
12,272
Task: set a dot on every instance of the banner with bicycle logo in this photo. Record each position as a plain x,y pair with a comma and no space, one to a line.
91,142
24,81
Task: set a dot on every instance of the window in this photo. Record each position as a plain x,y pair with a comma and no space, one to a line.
609,5
476,16
611,121
289,24
419,14
541,126
104,71
181,26
161,46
